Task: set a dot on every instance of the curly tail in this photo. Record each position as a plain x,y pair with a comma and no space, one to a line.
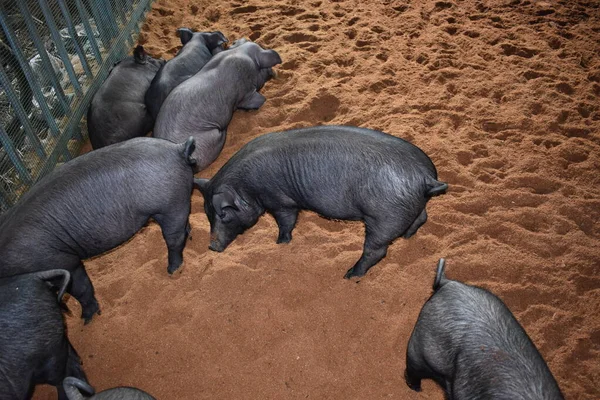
71,384
440,278
54,274
188,149
435,188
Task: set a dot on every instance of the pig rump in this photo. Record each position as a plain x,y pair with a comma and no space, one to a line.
468,341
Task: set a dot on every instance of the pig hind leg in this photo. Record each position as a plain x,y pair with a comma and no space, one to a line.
286,220
417,223
379,235
83,290
175,232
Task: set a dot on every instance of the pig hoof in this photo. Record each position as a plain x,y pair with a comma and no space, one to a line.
172,270
352,273
87,319
88,314
284,239
414,384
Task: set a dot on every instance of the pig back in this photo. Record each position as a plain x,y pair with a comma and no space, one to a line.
471,335
326,165
96,202
32,327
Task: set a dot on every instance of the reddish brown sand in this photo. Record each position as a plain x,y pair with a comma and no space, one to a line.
503,96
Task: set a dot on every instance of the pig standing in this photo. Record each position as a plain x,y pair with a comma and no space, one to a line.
73,386
117,111
340,172
96,202
34,348
198,48
203,105
469,342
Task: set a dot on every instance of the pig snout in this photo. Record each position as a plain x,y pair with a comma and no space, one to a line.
215,244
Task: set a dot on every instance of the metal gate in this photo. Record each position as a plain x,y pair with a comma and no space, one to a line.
54,55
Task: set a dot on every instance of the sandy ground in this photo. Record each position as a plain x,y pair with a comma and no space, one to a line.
503,96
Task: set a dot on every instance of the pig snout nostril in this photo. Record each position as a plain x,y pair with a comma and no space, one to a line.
215,246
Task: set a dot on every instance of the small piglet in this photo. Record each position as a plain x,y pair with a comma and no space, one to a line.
469,342
73,386
34,348
203,105
96,202
198,48
117,111
340,172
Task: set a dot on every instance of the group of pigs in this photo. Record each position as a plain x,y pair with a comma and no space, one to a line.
465,338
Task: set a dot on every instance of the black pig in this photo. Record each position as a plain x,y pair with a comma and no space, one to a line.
73,386
203,105
117,111
469,342
34,348
198,48
96,202
340,172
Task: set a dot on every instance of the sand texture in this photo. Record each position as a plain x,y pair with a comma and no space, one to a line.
504,98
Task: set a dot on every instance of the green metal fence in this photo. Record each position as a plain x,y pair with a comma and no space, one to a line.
54,55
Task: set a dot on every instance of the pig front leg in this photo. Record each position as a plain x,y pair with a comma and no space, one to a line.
286,220
175,232
83,290
252,101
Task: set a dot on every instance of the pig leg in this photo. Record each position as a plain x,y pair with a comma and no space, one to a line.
379,235
412,379
373,252
83,290
175,232
412,229
286,220
252,101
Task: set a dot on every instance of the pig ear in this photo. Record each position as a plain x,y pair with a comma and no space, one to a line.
268,58
139,55
185,35
201,184
215,39
221,201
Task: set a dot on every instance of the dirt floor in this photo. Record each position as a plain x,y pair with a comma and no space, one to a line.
503,96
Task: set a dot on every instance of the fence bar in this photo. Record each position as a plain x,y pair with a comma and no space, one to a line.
76,39
37,93
60,46
15,101
85,18
110,59
120,11
14,157
102,23
35,37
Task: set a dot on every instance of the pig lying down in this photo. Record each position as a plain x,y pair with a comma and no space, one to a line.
198,48
117,111
203,105
96,202
340,172
34,348
73,387
469,342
